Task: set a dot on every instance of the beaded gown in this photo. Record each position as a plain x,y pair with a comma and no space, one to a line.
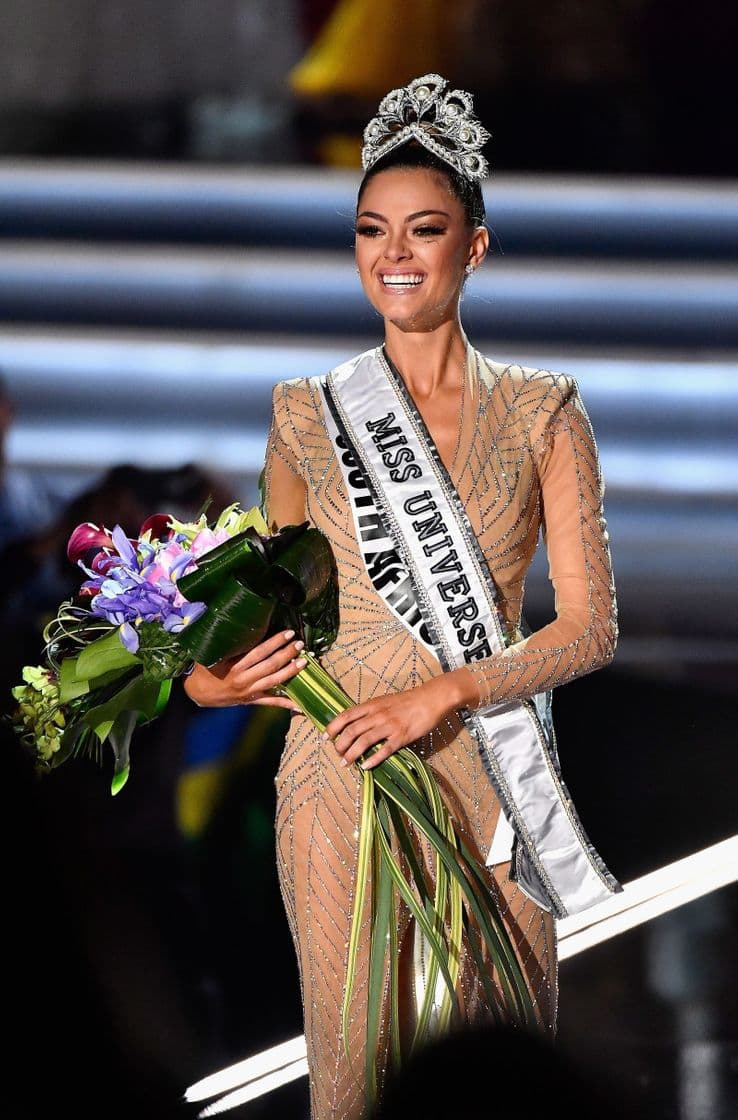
525,466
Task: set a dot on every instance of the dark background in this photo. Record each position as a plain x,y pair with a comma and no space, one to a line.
611,86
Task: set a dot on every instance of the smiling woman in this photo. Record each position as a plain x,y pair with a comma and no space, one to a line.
414,238
431,469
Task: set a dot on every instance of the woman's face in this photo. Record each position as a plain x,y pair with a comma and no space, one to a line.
412,245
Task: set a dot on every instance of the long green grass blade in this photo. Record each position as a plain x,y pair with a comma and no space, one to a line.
415,909
510,973
456,917
437,915
363,868
445,905
394,979
432,906
491,992
382,916
408,850
511,977
312,690
451,887
480,901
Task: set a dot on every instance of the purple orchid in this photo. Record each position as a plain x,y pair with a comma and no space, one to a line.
137,583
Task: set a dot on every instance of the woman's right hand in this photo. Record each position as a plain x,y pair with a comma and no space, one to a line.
249,678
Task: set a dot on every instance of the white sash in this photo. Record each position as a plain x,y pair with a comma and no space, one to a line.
412,527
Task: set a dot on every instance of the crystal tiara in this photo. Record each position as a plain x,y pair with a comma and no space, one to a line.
439,118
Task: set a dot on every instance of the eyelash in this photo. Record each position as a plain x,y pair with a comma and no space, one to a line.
421,231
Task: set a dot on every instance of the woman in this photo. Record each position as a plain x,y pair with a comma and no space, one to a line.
431,469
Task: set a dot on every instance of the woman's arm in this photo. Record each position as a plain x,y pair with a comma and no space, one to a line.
250,678
583,634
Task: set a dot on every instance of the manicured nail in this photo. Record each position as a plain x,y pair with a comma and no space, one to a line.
299,645
344,762
301,663
289,634
325,736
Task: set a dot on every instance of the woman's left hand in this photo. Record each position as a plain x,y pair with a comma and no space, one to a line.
394,721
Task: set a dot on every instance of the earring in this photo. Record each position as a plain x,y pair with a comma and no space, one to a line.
468,269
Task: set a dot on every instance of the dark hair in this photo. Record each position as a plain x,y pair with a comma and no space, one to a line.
413,155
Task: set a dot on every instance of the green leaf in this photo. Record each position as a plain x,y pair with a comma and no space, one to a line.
70,688
382,891
120,741
161,653
253,585
234,556
320,613
139,696
394,982
165,691
261,487
235,621
363,867
317,694
103,656
69,743
306,563
492,994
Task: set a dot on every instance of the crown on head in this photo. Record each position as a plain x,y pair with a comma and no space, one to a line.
439,118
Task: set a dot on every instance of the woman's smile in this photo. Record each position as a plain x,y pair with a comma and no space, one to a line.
401,282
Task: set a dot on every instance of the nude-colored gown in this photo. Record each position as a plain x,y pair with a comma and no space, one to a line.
525,461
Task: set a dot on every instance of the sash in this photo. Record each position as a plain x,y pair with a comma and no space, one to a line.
421,554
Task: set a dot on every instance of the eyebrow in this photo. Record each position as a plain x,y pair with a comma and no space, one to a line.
410,217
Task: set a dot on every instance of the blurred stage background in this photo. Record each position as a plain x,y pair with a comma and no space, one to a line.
177,186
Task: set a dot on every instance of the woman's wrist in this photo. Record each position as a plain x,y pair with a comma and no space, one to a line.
460,690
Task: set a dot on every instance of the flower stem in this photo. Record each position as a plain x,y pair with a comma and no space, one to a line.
317,694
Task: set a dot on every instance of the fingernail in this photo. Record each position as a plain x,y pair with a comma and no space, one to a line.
325,736
289,634
344,762
301,663
299,645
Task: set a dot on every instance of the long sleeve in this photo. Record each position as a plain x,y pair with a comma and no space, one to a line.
583,634
284,485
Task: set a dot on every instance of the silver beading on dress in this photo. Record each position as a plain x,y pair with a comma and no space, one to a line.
439,118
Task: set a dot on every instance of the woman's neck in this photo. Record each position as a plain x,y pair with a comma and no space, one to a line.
428,360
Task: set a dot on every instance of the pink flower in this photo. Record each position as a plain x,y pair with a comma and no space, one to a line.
171,561
208,539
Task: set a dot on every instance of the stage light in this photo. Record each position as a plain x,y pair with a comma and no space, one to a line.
249,1070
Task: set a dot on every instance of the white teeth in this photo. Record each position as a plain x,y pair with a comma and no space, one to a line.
407,281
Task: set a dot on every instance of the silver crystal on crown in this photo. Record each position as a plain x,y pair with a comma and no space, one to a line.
439,118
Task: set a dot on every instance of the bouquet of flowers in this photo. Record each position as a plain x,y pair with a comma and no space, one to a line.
197,592
150,607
